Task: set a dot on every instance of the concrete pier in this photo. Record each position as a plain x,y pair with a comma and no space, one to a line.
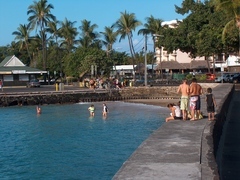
178,149
228,155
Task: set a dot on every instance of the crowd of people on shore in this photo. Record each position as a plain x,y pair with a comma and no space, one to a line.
189,107
100,83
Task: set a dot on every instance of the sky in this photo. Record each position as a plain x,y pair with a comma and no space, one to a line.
100,12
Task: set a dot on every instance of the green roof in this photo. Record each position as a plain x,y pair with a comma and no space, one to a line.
5,60
12,65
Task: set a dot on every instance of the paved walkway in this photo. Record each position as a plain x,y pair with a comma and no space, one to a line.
230,151
174,150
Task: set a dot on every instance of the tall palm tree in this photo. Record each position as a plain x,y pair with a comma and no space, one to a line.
110,37
151,27
35,48
68,32
85,42
232,10
88,34
40,15
13,48
54,31
22,35
125,25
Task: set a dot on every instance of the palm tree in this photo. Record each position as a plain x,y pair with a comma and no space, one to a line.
23,36
68,32
13,48
152,27
35,48
88,35
54,31
110,38
232,10
40,15
125,25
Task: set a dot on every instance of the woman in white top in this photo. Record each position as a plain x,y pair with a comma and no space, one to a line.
105,110
175,112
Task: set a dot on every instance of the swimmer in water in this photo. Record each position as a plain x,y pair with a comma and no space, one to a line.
105,110
91,110
39,111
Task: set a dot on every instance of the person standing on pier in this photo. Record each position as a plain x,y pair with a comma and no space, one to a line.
195,101
184,90
211,104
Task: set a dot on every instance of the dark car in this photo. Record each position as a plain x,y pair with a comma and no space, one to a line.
33,83
236,78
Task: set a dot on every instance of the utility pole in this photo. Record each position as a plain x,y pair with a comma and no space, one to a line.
145,70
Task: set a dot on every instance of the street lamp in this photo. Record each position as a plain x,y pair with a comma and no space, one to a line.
145,69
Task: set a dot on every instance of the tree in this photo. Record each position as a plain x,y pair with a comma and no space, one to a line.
189,28
79,63
125,25
109,37
68,32
232,10
22,35
40,15
154,28
55,33
88,35
53,30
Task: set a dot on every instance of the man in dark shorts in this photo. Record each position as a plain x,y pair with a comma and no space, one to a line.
195,100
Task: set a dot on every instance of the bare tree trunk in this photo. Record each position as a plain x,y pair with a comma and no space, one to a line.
213,64
133,55
208,65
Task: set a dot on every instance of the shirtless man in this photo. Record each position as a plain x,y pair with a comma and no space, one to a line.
184,90
195,103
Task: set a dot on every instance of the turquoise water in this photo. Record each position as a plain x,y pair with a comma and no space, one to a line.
65,143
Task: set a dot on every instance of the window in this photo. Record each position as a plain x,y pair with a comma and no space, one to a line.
8,78
23,77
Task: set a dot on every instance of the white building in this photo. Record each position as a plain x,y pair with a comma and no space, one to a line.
232,64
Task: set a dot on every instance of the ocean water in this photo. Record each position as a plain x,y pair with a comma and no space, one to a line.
65,143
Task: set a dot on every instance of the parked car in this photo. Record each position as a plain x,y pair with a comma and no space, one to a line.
52,81
236,78
33,83
226,77
210,76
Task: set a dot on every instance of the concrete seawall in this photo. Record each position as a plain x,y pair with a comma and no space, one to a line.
228,152
85,95
181,150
